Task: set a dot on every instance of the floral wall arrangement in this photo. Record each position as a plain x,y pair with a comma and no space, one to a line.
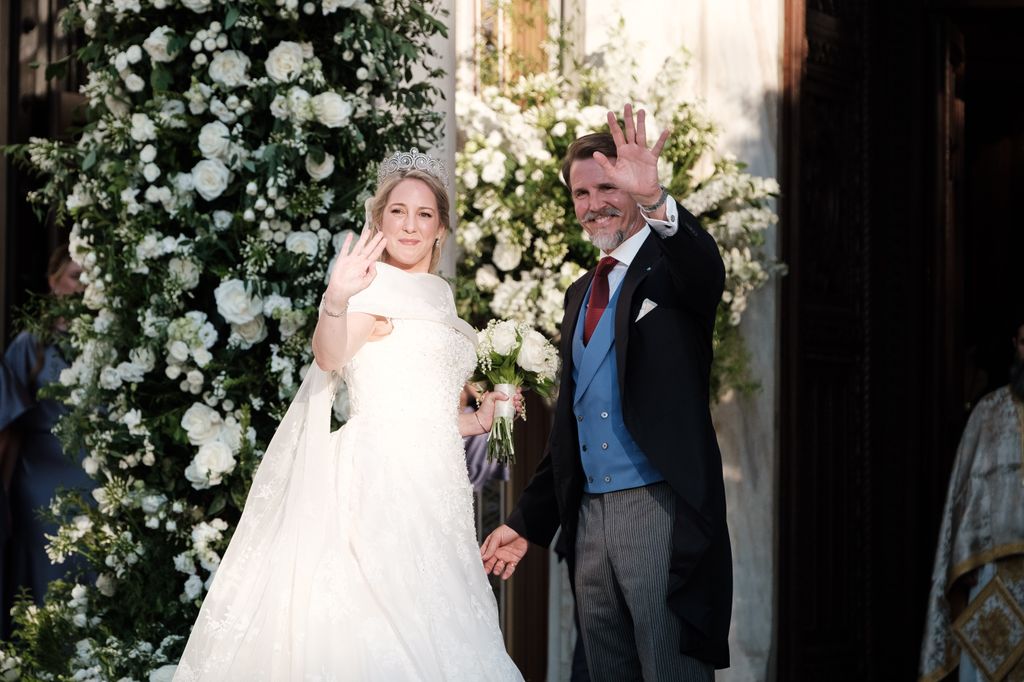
522,246
228,144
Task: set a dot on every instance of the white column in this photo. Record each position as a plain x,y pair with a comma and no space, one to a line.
444,148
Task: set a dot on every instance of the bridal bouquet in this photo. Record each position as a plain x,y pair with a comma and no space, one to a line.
511,355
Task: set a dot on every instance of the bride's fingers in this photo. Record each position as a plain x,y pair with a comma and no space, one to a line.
377,248
345,246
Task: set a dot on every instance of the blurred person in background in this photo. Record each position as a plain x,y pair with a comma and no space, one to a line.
35,465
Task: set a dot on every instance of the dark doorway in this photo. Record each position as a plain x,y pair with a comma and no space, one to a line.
903,160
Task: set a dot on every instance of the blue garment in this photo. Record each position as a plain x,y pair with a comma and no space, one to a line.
42,468
611,458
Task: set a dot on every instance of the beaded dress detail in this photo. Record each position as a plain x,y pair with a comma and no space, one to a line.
356,555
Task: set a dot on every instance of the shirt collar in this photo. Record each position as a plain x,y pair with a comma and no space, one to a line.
627,250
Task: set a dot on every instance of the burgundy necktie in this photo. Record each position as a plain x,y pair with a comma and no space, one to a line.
598,296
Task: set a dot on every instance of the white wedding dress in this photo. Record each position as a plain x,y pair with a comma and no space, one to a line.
356,557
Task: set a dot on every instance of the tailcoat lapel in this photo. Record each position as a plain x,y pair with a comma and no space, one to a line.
638,269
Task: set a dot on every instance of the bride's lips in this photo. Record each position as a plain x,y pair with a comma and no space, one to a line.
409,242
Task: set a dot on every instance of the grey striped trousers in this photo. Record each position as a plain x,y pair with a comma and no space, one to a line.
623,548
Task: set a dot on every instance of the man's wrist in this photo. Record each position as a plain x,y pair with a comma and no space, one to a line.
650,203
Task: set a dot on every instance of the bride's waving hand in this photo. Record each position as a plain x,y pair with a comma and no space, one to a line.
340,334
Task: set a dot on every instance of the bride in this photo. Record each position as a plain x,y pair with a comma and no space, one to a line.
356,557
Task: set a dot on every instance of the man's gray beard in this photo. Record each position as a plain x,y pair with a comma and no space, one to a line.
608,242
1017,379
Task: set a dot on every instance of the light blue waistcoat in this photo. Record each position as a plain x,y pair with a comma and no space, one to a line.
611,458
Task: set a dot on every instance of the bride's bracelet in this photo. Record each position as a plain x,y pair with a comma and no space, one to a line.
477,415
323,307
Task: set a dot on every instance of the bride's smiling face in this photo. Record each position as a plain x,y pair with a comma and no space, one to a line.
411,225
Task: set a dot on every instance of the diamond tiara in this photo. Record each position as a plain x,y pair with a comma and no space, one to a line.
412,160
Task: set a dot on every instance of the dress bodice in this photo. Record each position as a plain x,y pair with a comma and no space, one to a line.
416,372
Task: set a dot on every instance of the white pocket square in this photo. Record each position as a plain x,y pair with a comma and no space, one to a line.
647,306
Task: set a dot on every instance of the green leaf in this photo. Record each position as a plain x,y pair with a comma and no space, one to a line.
218,504
231,18
57,69
161,79
317,153
89,161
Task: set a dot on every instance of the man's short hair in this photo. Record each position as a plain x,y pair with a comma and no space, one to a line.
584,148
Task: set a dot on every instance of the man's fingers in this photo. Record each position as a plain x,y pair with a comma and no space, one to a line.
660,144
490,545
641,128
603,161
615,130
627,117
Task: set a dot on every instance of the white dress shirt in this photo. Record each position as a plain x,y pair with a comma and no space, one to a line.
626,251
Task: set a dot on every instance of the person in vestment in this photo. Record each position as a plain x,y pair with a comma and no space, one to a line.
633,472
355,557
35,465
981,538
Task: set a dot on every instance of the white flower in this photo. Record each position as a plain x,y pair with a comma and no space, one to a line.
215,141
193,587
185,271
211,178
134,82
331,109
156,44
213,461
279,107
298,103
222,220
110,379
198,6
143,128
487,278
106,584
234,303
151,172
504,337
535,353
251,332
275,302
319,171
202,424
230,68
303,243
507,256
147,155
284,62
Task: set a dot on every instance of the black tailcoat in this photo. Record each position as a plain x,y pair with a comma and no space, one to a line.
664,364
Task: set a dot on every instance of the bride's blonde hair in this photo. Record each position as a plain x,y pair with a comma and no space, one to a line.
380,201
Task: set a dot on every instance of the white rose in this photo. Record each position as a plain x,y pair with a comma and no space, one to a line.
230,68
143,128
331,109
303,243
211,178
222,220
319,171
279,107
147,155
130,373
202,424
487,278
156,44
198,6
533,354
213,461
504,337
251,332
284,62
215,141
234,303
507,256
185,271
151,172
